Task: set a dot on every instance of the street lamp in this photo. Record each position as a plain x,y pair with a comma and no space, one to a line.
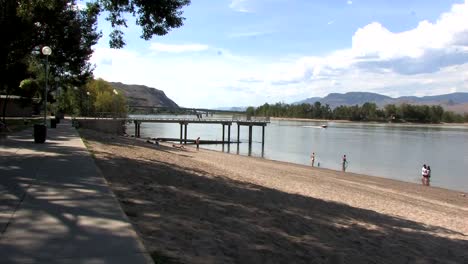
46,50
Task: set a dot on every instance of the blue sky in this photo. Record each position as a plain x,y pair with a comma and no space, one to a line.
248,52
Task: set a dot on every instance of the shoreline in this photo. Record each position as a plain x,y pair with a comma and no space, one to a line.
288,163
334,170
211,207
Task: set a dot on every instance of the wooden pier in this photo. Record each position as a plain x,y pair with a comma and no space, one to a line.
224,123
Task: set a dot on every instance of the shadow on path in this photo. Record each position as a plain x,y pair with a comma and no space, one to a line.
55,206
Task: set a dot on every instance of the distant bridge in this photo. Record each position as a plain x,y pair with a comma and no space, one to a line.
196,111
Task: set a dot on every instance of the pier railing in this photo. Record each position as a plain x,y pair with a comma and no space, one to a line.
250,122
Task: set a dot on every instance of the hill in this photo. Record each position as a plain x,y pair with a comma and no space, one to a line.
141,95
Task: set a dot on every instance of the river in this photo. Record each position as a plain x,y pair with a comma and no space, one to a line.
384,150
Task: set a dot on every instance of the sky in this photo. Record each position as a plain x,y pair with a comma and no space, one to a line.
250,52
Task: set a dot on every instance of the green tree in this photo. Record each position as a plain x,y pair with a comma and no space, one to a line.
30,25
391,112
156,18
250,111
369,111
103,99
27,26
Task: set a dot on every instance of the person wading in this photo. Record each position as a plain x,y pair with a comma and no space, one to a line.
197,141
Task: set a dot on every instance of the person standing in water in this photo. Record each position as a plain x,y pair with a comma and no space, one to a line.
424,174
197,141
428,175
344,163
312,158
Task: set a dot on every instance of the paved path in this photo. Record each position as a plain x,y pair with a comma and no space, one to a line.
56,207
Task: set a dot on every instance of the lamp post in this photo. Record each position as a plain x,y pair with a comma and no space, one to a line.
46,50
56,95
40,131
87,104
115,102
77,99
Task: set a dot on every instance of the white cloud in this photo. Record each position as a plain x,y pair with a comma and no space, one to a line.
428,48
331,22
240,6
430,59
349,2
249,34
174,48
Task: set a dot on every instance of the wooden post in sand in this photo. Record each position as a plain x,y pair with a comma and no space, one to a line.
229,134
250,134
238,133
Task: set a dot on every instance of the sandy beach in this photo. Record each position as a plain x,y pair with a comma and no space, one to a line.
192,206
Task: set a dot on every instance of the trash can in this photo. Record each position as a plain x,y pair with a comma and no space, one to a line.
40,133
53,123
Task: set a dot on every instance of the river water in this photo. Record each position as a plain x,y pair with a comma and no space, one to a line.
384,150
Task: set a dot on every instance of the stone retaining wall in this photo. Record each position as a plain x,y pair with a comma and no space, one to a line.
110,126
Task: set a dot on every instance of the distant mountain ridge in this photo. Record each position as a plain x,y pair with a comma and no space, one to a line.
234,108
359,98
141,95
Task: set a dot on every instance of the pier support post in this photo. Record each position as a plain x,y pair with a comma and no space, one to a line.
238,133
136,127
223,133
250,134
181,128
185,134
263,136
229,134
139,127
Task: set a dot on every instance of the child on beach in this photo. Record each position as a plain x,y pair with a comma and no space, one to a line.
312,158
197,141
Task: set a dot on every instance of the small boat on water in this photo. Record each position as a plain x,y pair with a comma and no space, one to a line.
324,126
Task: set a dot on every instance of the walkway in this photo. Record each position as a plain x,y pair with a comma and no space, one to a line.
56,207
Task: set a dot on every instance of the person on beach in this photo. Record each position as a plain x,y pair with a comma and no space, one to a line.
424,173
312,158
197,141
344,164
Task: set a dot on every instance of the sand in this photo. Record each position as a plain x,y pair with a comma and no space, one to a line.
204,206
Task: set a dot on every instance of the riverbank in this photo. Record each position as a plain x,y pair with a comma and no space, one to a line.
210,207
